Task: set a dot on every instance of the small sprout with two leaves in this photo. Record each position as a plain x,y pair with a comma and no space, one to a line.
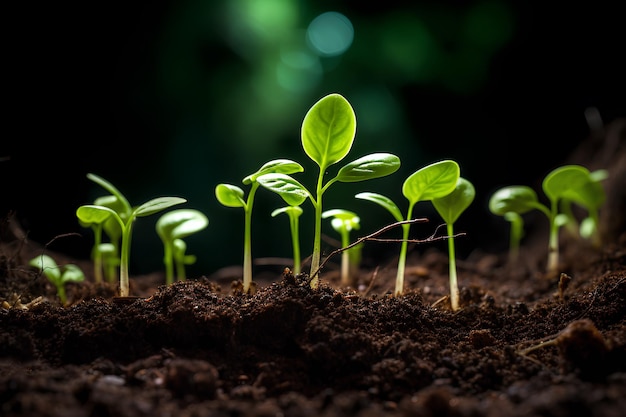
430,182
233,196
92,213
327,135
172,227
294,213
563,186
102,261
450,207
344,221
57,275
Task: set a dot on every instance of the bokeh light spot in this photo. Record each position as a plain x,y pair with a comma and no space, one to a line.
330,34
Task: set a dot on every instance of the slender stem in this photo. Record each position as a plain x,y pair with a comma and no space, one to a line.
317,239
553,245
295,242
345,260
97,255
125,256
403,254
454,286
247,239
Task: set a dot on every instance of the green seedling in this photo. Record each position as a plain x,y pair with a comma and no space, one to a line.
57,275
233,196
591,197
450,207
110,261
109,226
432,181
344,221
563,186
92,213
172,227
511,202
327,134
294,213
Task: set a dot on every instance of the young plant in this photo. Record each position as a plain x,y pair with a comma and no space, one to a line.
58,276
294,212
562,186
432,181
328,132
511,202
344,221
172,227
233,196
450,208
92,213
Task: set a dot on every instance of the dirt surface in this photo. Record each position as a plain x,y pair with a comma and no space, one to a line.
522,344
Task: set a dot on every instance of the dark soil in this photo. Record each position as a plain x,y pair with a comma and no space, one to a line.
523,343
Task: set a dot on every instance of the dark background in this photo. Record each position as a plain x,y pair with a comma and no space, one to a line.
174,97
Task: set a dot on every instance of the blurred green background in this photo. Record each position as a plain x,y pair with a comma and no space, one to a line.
173,97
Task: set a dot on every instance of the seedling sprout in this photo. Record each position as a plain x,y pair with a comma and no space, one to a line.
328,132
450,207
344,221
91,213
432,181
294,212
57,275
233,196
172,227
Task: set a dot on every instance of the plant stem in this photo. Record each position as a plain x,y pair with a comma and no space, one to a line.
454,286
169,267
247,239
403,253
317,240
553,245
295,242
124,259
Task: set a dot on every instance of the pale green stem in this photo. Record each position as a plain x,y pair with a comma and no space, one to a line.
247,239
317,239
345,259
124,260
403,254
295,242
454,286
553,244
180,269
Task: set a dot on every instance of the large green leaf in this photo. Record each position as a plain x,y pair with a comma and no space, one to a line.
375,165
156,205
328,130
433,181
177,224
283,166
383,201
513,198
452,205
230,195
563,182
289,189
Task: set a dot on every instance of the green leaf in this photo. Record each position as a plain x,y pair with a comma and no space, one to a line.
564,181
283,166
113,190
514,198
343,220
328,130
384,202
93,214
295,211
47,265
452,205
371,166
177,224
433,181
156,205
230,195
72,273
289,189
